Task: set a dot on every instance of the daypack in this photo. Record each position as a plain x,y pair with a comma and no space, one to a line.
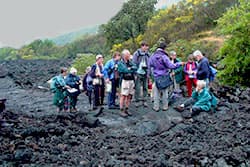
212,73
54,84
89,82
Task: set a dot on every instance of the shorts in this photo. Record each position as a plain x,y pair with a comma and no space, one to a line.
127,87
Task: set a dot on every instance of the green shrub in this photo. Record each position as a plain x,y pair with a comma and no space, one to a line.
235,53
82,61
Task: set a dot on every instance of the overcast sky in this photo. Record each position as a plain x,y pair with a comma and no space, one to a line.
22,21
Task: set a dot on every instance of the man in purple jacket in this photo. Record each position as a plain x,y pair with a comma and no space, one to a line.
160,65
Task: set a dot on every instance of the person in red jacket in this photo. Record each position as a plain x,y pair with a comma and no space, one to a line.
190,71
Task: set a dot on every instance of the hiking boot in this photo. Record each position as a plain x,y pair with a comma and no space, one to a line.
179,108
127,112
123,114
73,110
137,104
145,104
156,109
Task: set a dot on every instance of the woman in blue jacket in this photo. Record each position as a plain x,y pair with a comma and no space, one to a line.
73,81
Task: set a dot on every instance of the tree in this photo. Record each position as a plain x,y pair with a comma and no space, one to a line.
129,22
235,53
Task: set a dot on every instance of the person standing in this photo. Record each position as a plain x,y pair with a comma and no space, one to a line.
176,74
127,73
88,87
98,81
140,59
203,67
190,70
111,76
161,65
58,87
73,81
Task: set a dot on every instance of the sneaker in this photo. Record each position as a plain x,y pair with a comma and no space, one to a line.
179,108
165,109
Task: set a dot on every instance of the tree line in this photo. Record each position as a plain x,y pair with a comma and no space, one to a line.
217,27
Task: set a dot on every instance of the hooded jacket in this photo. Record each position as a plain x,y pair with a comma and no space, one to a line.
160,63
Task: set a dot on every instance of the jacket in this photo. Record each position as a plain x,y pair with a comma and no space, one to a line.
187,66
57,83
160,63
138,56
203,99
72,81
126,68
109,69
203,69
93,73
178,72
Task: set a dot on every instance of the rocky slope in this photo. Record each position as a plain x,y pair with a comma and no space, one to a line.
36,135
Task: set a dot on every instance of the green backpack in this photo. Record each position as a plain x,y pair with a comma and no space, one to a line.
54,84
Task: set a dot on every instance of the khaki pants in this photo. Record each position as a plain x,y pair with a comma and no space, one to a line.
157,96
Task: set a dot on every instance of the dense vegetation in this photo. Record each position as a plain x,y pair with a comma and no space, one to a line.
235,53
186,26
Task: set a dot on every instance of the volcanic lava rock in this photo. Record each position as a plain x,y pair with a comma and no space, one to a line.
40,136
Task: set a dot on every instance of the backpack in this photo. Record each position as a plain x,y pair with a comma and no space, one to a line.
54,84
212,73
89,82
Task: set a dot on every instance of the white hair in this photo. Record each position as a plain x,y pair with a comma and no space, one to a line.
125,52
88,69
172,53
73,70
197,53
201,83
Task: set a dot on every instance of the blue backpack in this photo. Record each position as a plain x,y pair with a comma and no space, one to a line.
212,73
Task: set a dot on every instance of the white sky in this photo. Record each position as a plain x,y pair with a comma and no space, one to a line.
23,21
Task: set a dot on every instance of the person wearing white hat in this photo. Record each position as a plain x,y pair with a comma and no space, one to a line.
98,81
74,82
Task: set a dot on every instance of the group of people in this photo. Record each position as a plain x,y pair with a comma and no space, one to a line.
66,88
131,74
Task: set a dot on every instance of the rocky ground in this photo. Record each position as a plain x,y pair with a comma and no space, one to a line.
37,135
